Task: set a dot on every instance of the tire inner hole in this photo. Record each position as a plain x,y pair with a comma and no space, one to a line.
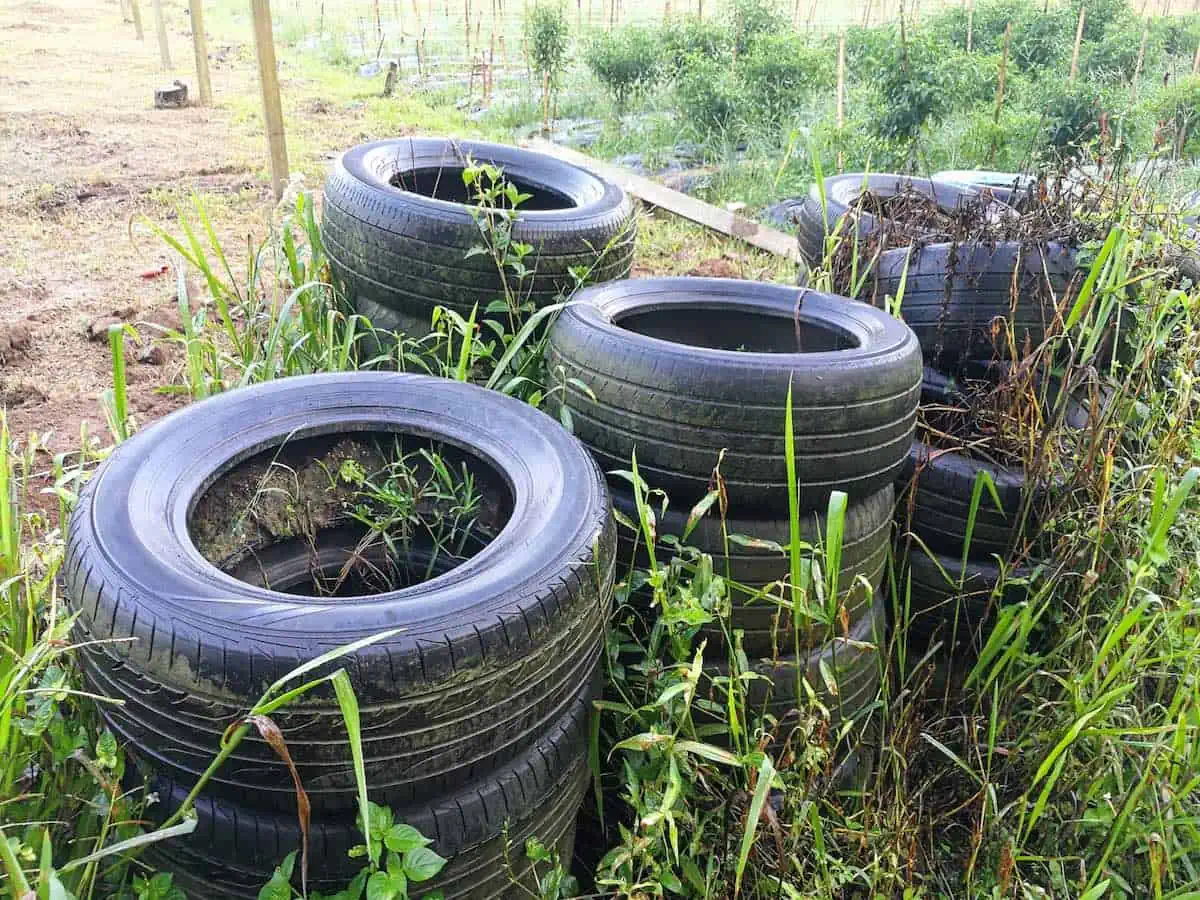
349,515
446,183
750,331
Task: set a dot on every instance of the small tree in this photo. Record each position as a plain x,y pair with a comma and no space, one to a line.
548,38
625,61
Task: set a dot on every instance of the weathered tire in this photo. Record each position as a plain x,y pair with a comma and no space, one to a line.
843,674
767,626
399,253
235,847
937,485
951,603
1012,188
814,220
678,405
954,293
491,653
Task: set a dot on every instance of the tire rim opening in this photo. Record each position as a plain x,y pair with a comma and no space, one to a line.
446,183
349,515
746,330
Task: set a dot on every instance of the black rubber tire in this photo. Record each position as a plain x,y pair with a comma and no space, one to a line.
954,292
491,654
937,484
680,405
815,221
1011,188
400,253
940,610
851,662
235,847
766,626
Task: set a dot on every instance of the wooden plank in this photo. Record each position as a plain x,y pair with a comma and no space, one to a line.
663,197
268,78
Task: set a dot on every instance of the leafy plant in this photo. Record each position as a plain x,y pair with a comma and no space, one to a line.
397,857
711,98
783,72
1177,109
686,37
626,61
548,41
748,20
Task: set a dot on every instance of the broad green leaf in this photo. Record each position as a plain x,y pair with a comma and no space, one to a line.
421,864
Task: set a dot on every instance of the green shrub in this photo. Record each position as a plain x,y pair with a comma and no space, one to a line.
625,61
781,72
548,39
684,37
866,49
914,85
1113,58
1177,109
1072,116
971,78
1041,40
748,20
1178,35
710,97
1102,15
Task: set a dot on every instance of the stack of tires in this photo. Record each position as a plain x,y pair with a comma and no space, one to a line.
955,539
399,224
977,298
677,371
474,703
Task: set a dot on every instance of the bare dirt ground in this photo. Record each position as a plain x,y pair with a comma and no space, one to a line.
85,160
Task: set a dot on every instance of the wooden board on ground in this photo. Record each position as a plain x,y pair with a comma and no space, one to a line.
680,204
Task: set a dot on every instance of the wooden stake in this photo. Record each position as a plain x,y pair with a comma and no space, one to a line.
268,80
970,24
200,48
841,92
1078,42
1141,58
467,27
137,19
1000,89
1196,62
160,27
545,103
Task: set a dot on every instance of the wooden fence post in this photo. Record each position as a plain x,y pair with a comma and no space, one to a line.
1141,58
200,47
1078,41
160,27
268,79
1000,92
970,24
841,92
137,19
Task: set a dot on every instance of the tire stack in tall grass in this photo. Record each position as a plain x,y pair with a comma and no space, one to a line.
982,284
692,378
219,562
411,224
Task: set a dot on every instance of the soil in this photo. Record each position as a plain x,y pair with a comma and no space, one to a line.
277,496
